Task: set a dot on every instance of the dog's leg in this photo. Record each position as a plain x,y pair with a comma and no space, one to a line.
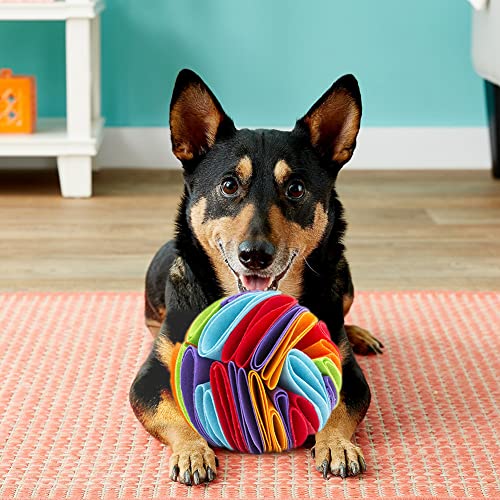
154,316
156,280
192,460
362,341
334,452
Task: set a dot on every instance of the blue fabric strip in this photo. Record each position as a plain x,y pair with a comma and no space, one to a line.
302,376
221,324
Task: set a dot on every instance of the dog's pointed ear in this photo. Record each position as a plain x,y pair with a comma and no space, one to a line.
196,117
332,123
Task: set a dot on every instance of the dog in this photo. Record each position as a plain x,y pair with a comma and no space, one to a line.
259,211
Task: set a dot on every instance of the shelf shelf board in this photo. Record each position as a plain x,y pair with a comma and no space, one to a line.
52,139
50,11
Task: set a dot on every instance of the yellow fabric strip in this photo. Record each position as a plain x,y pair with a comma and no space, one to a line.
271,371
268,418
321,349
278,433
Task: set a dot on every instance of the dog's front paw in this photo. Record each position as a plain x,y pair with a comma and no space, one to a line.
193,463
339,457
362,341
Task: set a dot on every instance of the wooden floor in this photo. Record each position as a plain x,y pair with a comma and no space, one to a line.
407,230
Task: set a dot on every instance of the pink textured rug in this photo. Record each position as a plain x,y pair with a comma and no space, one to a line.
67,431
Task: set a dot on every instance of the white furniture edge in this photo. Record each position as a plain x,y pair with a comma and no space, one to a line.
395,148
52,139
52,11
76,148
485,44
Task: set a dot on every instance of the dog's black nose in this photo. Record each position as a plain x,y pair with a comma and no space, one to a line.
256,255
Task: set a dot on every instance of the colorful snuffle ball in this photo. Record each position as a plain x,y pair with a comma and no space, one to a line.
257,373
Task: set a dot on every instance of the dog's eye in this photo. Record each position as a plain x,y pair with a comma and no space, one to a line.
229,186
295,190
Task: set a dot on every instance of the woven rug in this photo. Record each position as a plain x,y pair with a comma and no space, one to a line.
67,431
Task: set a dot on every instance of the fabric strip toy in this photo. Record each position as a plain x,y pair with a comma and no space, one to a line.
256,373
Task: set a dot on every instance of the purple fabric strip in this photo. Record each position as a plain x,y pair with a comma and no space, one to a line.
195,370
271,340
282,404
227,300
232,370
255,441
331,390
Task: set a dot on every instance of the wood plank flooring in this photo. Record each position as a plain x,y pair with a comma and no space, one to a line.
407,230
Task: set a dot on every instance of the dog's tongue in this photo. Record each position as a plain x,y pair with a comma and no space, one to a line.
255,282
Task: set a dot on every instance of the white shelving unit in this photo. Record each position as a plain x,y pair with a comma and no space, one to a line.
75,141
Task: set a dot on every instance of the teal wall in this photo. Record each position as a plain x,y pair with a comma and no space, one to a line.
268,60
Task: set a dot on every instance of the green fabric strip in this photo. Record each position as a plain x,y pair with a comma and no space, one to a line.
327,367
180,397
194,332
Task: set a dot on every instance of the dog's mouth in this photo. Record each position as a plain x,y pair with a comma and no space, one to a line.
253,282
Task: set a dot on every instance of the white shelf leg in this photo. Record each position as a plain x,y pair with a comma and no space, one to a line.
96,66
78,78
75,176
75,172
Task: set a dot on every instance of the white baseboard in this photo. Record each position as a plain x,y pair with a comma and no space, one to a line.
423,148
378,148
395,148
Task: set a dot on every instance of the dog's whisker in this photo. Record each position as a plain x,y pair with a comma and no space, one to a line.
309,266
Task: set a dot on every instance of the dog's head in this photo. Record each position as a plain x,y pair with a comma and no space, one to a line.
259,201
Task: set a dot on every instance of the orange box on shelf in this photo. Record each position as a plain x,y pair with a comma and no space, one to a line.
17,103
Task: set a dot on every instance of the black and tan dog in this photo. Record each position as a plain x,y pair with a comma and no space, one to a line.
259,211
